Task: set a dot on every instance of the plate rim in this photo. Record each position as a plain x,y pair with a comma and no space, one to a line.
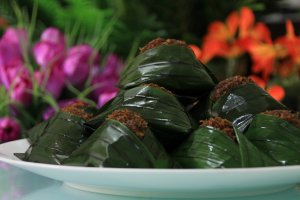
286,176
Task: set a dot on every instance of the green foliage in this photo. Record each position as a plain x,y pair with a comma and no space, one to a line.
124,25
4,101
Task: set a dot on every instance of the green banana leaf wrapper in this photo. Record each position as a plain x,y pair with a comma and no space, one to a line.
251,156
276,137
114,145
55,139
173,67
165,115
240,104
208,147
36,131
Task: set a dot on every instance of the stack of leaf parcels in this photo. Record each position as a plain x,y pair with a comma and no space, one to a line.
55,139
172,113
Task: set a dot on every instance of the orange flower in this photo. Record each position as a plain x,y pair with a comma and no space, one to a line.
263,58
235,36
197,51
220,40
276,91
289,50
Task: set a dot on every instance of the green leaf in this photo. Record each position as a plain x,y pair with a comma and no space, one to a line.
57,139
4,102
114,145
171,66
208,147
245,100
276,138
251,156
164,114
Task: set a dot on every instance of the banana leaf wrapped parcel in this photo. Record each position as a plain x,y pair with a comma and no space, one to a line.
217,144
171,64
212,145
277,134
165,115
123,140
55,139
238,99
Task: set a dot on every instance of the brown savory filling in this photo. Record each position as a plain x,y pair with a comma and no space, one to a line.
77,108
221,124
131,119
160,41
226,85
287,115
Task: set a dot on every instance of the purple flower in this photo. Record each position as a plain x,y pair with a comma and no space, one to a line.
113,66
22,90
16,36
50,51
53,35
16,79
80,61
104,83
51,79
107,94
9,129
11,45
49,112
10,54
8,73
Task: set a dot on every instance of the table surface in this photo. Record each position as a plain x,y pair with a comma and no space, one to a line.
18,184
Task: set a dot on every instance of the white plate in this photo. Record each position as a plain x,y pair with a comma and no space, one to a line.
179,183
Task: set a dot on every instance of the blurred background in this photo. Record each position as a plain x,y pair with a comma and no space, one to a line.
140,21
256,38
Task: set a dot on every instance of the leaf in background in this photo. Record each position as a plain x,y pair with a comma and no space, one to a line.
208,147
4,102
276,138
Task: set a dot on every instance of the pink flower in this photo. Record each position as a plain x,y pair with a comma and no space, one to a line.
80,61
50,50
53,35
104,83
8,73
10,54
22,90
16,36
48,54
49,112
17,81
113,66
101,82
51,79
9,129
107,94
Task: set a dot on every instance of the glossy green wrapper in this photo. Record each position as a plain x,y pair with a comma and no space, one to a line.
208,147
165,116
240,104
171,66
55,139
276,137
114,145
